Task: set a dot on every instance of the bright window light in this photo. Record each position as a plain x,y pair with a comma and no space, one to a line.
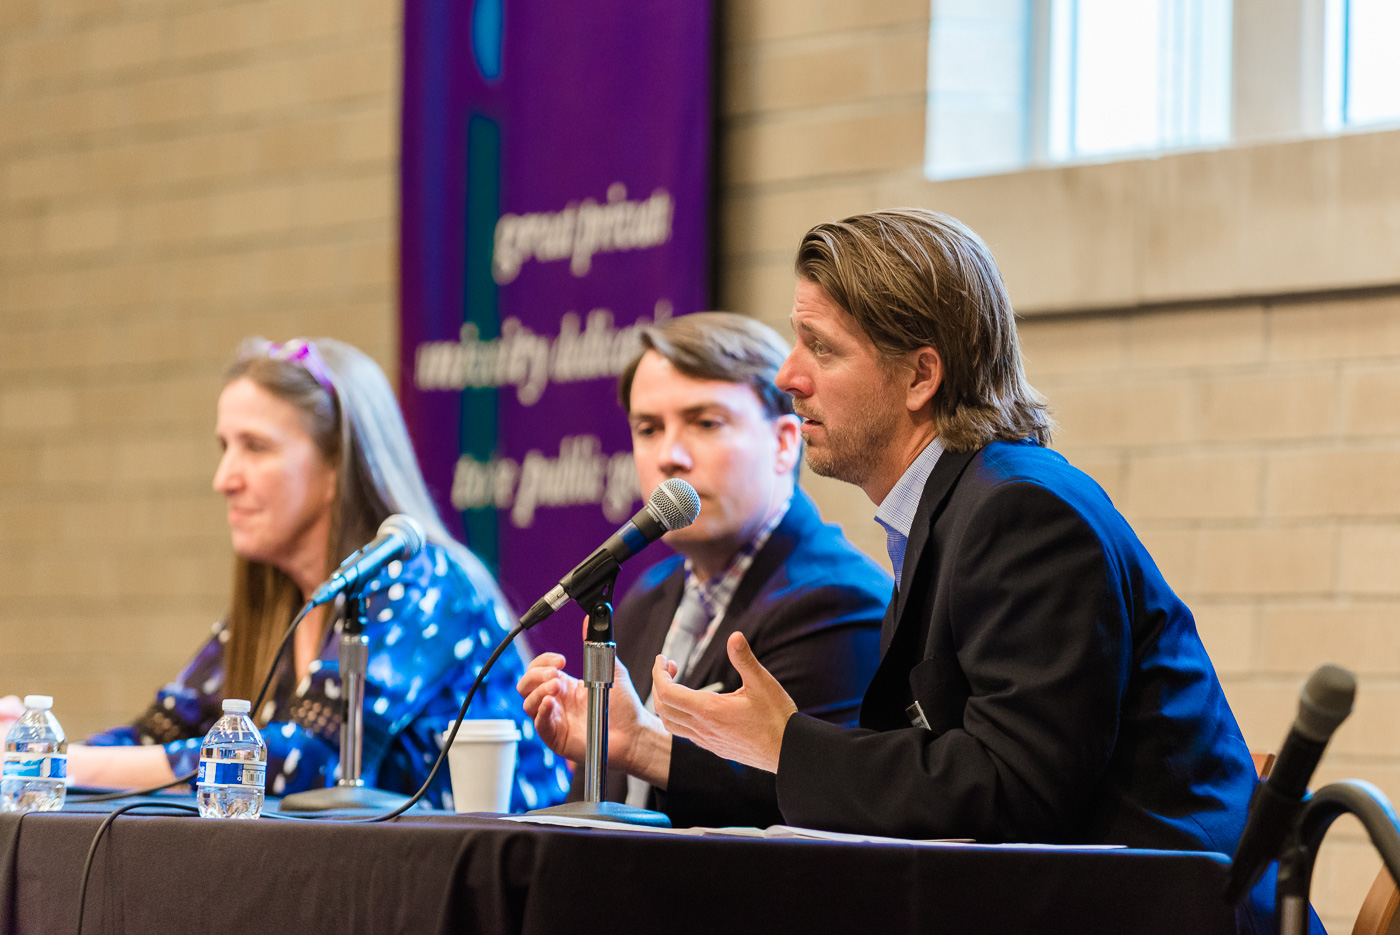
978,79
1024,82
1362,63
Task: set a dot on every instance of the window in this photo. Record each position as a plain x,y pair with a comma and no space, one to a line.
1023,82
979,87
1135,75
1018,83
1362,69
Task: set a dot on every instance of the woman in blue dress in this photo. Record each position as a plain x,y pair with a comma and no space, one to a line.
315,456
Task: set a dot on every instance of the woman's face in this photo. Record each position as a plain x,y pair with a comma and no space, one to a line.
277,484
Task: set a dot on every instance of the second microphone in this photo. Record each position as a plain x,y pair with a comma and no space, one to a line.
673,505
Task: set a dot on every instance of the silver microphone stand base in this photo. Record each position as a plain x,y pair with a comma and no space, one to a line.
335,797
607,811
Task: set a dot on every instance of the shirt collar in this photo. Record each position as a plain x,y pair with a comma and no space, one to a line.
896,511
716,593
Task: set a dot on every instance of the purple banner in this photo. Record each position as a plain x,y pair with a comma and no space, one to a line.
555,198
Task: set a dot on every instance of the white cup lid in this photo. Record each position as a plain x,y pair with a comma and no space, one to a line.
42,702
237,706
482,730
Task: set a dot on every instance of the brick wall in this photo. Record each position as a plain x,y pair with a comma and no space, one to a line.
176,174
173,176
1256,451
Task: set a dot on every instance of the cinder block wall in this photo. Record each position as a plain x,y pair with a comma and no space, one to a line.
1256,449
176,174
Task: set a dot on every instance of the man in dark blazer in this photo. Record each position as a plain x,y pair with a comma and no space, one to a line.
703,406
1039,680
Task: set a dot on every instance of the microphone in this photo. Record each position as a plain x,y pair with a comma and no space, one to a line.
399,536
1323,704
674,504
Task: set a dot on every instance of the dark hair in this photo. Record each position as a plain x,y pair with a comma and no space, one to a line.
915,278
717,346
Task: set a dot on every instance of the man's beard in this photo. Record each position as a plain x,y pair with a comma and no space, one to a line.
854,452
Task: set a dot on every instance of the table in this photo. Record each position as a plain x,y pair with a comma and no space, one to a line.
462,874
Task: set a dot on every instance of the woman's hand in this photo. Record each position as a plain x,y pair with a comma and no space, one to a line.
11,707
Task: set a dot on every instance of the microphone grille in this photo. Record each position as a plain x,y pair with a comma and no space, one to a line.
675,503
408,529
1325,701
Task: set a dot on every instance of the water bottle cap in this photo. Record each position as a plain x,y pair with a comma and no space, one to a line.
237,706
41,702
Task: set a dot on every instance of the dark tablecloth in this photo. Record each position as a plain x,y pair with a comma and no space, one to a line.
460,874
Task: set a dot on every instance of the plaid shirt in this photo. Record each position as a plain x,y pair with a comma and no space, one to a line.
716,593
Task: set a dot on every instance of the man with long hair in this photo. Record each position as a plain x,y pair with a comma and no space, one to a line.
1039,679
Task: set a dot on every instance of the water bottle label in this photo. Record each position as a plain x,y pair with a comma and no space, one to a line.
22,765
232,773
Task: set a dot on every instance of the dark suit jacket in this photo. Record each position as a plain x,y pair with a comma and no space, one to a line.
810,606
1068,694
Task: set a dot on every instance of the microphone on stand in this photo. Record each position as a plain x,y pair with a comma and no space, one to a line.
400,537
1323,704
674,504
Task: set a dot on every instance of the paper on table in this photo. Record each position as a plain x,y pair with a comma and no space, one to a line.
776,832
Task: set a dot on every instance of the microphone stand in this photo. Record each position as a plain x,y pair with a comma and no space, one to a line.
350,791
1326,805
599,654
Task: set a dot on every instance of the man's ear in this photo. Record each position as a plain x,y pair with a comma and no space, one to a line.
789,434
925,377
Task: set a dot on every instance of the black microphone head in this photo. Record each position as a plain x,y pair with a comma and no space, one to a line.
408,529
1325,701
674,503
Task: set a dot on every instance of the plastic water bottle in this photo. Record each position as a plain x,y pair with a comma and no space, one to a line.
232,766
35,775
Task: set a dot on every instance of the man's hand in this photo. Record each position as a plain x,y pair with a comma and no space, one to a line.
746,725
637,743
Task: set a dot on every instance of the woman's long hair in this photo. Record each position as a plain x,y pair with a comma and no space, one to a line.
359,430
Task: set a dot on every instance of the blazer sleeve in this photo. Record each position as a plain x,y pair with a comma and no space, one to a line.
822,645
1041,630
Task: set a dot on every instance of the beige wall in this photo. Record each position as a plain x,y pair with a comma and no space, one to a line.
175,174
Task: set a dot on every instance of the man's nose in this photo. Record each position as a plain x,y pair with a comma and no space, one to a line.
675,456
790,379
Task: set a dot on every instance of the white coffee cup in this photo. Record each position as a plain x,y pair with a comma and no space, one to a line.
482,764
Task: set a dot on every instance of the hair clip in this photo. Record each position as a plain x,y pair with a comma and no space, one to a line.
301,351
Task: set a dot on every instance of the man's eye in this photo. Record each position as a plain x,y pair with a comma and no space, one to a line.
643,431
709,423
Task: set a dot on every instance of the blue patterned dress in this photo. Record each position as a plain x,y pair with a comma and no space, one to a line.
430,631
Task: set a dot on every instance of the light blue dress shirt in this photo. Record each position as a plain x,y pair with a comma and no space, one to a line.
896,512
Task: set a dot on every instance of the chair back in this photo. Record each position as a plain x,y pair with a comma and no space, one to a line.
1378,914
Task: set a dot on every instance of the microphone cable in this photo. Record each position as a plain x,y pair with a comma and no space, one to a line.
101,830
372,819
442,754
257,704
178,780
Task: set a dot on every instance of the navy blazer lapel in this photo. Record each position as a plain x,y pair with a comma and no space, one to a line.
800,515
940,483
